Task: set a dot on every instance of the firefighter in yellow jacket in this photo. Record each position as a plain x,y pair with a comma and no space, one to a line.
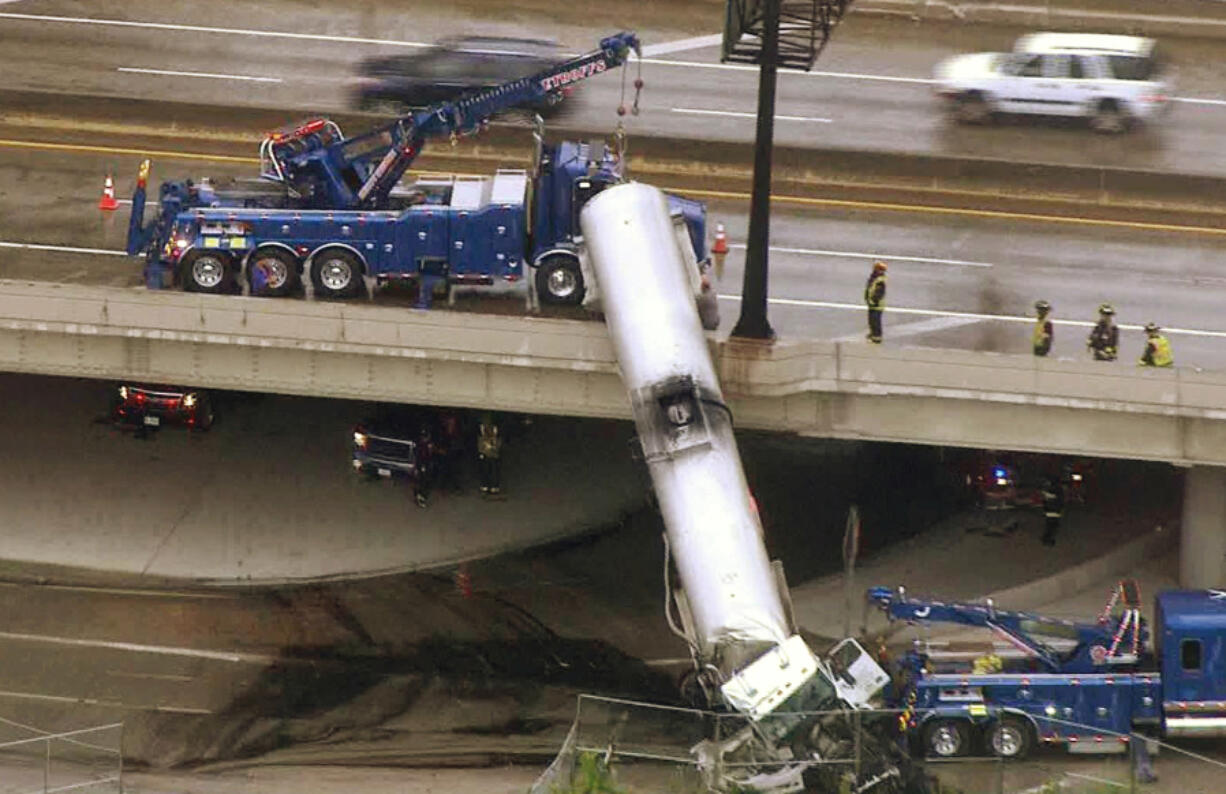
1157,349
874,299
1041,337
489,455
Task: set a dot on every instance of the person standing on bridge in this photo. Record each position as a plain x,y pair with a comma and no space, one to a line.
1157,349
874,299
489,455
1042,336
1104,341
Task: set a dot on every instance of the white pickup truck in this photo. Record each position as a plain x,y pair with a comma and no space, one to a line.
1114,81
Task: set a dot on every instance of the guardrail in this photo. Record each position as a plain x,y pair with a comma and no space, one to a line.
627,746
41,762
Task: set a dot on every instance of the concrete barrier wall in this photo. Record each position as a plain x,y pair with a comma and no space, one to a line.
567,367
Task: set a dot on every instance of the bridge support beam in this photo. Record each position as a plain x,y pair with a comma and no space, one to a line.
1202,542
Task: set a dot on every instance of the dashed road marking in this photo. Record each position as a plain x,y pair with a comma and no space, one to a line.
740,115
112,704
135,647
868,255
210,75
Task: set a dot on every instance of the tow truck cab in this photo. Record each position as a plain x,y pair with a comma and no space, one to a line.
1190,644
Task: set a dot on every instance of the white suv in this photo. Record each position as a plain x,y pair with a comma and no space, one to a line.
1112,80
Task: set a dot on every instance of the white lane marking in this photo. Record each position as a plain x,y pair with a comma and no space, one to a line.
68,249
111,704
1198,101
1008,318
120,591
918,327
865,255
163,650
882,78
268,34
681,45
211,75
152,676
742,115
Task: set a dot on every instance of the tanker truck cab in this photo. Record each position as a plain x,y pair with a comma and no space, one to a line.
1190,644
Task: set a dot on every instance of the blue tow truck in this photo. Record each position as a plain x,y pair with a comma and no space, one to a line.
334,209
1086,686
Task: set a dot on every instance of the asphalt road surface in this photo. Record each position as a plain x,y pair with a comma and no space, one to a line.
871,91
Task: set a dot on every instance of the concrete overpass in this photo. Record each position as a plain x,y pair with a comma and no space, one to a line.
567,367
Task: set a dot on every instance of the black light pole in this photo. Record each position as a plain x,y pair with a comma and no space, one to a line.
752,323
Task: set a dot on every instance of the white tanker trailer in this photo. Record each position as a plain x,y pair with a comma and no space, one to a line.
733,602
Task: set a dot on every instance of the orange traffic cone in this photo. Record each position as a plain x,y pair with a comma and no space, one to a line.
108,202
719,250
464,581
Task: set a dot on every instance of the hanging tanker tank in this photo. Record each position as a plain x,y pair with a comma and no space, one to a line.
732,601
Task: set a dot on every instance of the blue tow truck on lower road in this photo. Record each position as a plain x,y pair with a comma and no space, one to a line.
1086,686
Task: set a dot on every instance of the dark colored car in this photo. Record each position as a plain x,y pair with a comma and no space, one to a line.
152,406
453,66
390,444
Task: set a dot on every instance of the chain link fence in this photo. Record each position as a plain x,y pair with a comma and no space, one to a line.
34,761
625,747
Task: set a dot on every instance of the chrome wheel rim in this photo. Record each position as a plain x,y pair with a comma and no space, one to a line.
946,741
562,282
335,274
1007,741
276,273
208,271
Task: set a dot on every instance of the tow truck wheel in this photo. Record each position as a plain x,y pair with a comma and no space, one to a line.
946,738
336,273
276,269
559,281
1009,738
206,271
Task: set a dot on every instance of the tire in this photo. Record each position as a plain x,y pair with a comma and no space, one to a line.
336,273
1108,118
211,272
972,108
947,739
559,281
280,268
1009,738
204,417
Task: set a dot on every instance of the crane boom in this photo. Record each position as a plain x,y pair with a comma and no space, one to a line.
1095,643
328,171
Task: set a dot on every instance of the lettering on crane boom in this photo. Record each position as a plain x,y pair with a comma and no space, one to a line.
572,75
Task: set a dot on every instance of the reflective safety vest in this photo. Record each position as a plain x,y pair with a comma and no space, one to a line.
489,441
1162,356
1041,338
874,297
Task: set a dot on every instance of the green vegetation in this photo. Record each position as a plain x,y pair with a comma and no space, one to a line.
592,776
